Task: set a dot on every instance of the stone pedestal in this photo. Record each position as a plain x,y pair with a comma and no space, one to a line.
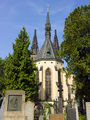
56,117
14,107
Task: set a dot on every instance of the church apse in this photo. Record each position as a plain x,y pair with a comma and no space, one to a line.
49,66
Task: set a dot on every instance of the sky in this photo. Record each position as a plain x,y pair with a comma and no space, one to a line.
14,14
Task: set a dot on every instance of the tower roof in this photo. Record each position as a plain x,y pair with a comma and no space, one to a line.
47,51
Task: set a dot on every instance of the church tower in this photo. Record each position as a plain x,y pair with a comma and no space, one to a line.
49,68
48,65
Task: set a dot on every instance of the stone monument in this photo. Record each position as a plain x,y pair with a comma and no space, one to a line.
14,107
88,110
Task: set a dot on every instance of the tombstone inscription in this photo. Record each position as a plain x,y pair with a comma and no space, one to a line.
14,102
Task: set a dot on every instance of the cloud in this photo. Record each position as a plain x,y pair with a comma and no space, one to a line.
59,27
37,8
64,7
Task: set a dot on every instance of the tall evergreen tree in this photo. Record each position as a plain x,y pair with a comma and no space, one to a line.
20,69
75,50
2,76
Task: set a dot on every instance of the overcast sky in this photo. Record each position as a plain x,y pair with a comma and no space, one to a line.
14,14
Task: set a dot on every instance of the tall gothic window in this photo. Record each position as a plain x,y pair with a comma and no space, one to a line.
48,84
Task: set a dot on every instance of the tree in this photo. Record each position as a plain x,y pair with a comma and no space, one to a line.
2,76
75,49
20,69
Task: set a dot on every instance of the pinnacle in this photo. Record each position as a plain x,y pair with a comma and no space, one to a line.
55,32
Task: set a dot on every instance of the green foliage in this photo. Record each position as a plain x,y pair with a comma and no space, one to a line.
75,49
20,69
2,76
47,110
81,117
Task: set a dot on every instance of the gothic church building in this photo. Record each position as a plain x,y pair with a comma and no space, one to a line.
53,81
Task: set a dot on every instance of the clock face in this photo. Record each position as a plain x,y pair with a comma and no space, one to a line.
14,102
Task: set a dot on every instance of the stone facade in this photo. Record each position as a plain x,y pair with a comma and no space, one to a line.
54,66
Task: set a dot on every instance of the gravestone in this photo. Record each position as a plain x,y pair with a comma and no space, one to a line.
41,117
52,110
88,110
56,117
71,114
76,107
14,107
29,110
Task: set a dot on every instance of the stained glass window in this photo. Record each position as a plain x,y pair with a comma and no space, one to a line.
48,84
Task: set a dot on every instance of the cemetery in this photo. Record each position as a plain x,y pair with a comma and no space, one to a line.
14,107
36,85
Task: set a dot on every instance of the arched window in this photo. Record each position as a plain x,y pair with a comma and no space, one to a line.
48,84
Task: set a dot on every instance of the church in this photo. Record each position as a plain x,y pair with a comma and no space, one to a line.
53,80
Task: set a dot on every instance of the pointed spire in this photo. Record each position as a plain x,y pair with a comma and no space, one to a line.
55,43
47,26
34,47
48,21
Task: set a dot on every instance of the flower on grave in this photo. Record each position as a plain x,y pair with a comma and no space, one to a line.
29,99
36,111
